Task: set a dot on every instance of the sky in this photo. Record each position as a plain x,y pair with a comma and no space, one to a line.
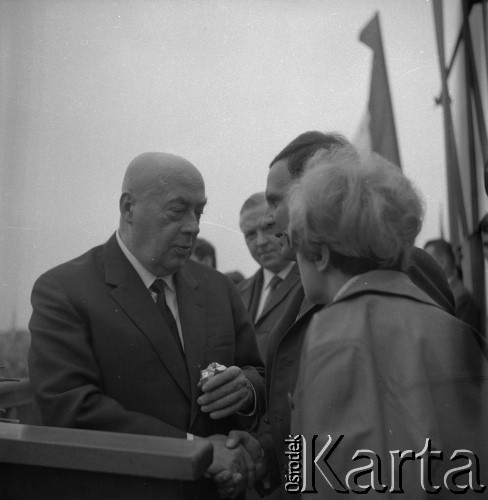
86,85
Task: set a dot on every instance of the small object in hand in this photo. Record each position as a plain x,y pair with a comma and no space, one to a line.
211,370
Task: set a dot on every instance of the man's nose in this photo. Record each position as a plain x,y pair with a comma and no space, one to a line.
268,219
191,225
261,239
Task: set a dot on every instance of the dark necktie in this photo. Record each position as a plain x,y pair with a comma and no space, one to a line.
273,285
158,287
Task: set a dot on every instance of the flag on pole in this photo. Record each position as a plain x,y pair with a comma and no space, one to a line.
377,130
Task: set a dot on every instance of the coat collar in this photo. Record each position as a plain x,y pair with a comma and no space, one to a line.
252,295
191,307
389,283
249,290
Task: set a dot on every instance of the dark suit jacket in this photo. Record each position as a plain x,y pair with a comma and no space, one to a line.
250,290
285,344
387,368
101,359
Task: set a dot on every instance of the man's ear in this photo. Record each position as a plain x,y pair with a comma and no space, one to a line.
126,203
323,263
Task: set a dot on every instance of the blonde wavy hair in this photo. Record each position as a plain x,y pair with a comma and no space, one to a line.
365,210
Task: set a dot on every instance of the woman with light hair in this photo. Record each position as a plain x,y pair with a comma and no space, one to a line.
383,365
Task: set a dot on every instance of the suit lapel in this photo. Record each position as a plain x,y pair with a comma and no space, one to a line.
245,289
133,297
281,292
257,285
191,307
306,307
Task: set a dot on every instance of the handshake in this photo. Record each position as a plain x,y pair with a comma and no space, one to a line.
238,458
237,464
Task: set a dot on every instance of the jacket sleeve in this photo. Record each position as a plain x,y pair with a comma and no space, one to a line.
336,398
247,354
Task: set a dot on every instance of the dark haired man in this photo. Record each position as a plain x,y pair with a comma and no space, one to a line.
285,341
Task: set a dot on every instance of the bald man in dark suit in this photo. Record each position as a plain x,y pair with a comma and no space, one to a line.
121,333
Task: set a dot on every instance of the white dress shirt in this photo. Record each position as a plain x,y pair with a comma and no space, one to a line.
148,279
267,277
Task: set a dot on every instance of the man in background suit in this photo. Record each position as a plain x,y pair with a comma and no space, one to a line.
268,292
120,334
483,230
466,307
204,252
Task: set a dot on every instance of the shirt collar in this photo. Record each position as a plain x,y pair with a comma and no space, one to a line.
146,276
268,275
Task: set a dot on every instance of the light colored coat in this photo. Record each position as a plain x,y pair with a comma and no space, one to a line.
386,367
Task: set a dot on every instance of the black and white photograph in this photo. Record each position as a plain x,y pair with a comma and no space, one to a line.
243,249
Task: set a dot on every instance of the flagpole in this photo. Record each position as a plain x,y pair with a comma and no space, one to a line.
474,252
456,208
464,237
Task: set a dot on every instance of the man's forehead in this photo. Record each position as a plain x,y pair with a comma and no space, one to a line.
279,180
253,215
155,167
186,197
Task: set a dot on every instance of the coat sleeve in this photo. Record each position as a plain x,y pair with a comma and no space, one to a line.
345,397
247,354
336,398
64,372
